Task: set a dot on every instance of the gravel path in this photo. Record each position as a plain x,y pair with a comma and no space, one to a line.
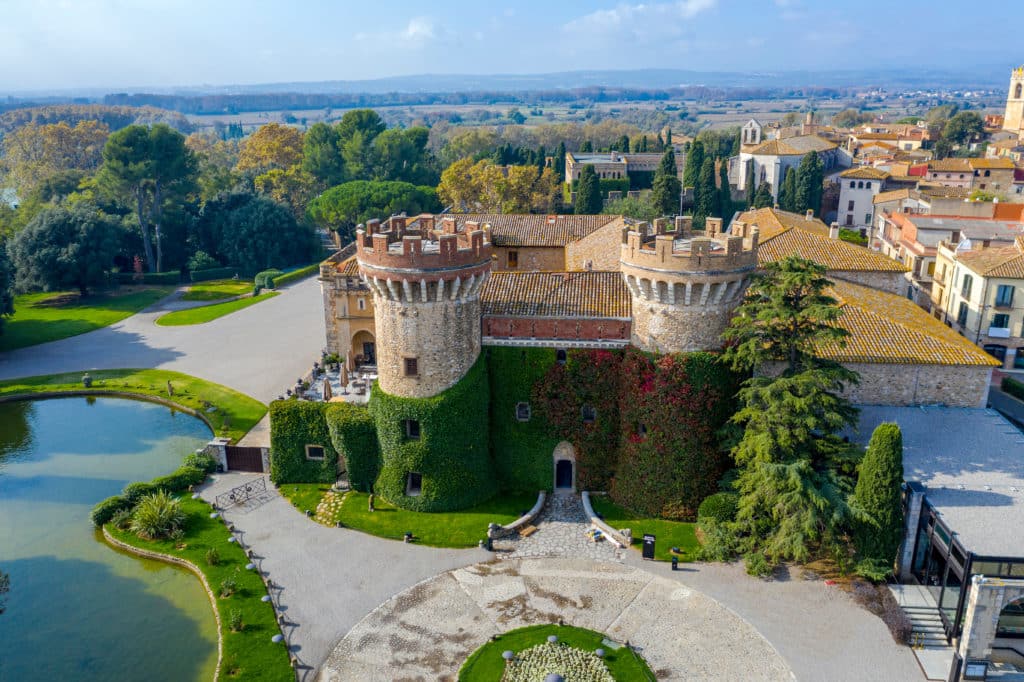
561,532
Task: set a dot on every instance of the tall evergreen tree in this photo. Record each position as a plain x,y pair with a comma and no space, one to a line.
666,187
763,197
694,162
810,179
877,501
705,195
751,188
542,159
623,144
588,192
668,137
643,143
724,193
560,162
6,284
787,192
587,146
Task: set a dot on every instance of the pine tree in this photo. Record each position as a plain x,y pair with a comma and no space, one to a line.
763,198
694,162
587,146
787,192
724,193
588,192
643,143
877,500
560,161
623,145
705,194
810,178
666,187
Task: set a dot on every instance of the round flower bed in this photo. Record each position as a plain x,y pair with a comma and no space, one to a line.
537,662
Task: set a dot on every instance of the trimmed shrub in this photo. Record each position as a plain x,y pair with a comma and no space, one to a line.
720,508
354,436
718,540
757,564
294,424
265,278
451,452
212,273
180,479
201,460
157,516
104,511
876,499
1013,387
295,275
133,492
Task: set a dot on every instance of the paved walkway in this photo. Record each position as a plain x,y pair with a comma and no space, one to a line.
561,532
681,633
326,579
260,350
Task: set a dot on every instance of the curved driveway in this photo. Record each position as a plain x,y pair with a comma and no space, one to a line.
260,350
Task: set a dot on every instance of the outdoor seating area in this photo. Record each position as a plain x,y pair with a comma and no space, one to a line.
333,383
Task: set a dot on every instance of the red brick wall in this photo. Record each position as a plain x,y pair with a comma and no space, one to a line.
548,328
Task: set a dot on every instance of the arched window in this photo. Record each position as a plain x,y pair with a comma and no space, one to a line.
853,183
988,173
868,185
1016,91
1011,619
860,185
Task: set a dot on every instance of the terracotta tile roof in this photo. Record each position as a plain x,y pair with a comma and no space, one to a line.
793,146
349,267
997,261
589,294
943,191
892,195
783,233
536,229
864,173
877,136
890,329
994,164
949,165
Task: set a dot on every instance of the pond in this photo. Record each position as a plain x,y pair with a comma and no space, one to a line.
77,609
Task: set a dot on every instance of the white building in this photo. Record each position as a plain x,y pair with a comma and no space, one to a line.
768,161
858,188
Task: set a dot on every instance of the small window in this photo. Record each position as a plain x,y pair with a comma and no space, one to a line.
412,429
867,185
513,259
860,185
988,173
413,484
931,269
314,452
361,304
853,184
965,290
412,368
1004,296
523,412
961,314
1001,321
589,414
560,356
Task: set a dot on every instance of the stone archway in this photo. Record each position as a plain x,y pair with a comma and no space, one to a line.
364,349
564,467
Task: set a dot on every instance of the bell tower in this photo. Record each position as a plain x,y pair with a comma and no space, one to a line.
1013,119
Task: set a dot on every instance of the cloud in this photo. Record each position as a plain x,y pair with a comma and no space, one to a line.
419,28
638,17
419,32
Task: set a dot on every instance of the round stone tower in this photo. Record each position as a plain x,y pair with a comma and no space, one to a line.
425,284
1013,118
685,285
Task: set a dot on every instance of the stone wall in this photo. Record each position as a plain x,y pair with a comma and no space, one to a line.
543,258
892,282
600,249
987,598
669,328
550,328
443,336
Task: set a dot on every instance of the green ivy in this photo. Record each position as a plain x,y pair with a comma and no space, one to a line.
451,453
354,436
294,424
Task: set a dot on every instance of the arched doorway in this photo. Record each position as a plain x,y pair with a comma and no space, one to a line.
364,350
564,458
1011,620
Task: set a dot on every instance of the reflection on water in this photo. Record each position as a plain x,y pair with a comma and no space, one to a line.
76,609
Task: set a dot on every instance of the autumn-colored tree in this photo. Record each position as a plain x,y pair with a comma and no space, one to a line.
293,187
488,188
32,153
272,146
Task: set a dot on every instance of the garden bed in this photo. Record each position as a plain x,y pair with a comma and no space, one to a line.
669,534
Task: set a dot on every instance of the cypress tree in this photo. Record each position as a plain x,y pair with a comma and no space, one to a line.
587,146
787,192
643,143
810,176
588,192
668,137
705,195
694,162
724,193
623,145
560,161
542,159
751,188
666,187
763,198
876,499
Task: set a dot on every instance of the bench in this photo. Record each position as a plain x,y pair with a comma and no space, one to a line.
527,531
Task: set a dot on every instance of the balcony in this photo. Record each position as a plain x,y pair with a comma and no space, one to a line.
999,332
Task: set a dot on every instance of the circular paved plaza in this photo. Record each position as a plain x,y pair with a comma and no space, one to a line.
427,631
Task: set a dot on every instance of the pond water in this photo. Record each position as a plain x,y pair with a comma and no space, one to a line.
77,609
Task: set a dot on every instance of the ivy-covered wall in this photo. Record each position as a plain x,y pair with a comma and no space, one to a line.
354,436
521,450
294,424
451,453
672,408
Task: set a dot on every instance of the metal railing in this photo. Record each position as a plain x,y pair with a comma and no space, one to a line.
241,493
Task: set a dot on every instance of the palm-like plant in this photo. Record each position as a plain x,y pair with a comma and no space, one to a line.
157,516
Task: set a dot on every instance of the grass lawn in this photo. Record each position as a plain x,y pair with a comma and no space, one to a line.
669,533
486,664
217,289
207,313
39,318
248,654
304,496
234,415
446,529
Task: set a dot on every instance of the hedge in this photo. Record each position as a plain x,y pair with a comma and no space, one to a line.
149,277
265,279
521,450
213,273
294,424
354,436
720,507
105,510
295,275
1013,387
451,452
181,479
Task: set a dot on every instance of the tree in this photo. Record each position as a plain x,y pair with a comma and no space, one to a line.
963,128
32,153
271,146
751,187
402,155
638,209
64,248
588,192
849,118
705,195
877,500
666,187
488,188
810,180
560,161
6,287
724,207
790,457
787,192
5,587
516,116
623,144
150,166
293,187
321,155
763,198
694,163
343,207
248,231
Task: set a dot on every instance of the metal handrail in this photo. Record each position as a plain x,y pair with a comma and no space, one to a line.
241,493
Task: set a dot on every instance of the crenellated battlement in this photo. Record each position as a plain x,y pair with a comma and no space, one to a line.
686,251
400,248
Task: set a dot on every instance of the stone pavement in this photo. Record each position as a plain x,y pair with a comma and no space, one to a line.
561,532
679,631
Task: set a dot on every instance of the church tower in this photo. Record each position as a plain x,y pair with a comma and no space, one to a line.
1013,119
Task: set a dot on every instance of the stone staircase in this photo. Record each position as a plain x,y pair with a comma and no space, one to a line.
928,638
928,630
561,532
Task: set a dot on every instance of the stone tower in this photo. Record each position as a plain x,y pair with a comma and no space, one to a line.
425,284
685,285
1013,119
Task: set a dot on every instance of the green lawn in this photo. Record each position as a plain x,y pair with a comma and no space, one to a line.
486,664
207,313
669,534
233,414
217,289
304,495
448,529
248,654
39,318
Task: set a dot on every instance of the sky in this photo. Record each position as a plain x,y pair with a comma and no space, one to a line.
59,44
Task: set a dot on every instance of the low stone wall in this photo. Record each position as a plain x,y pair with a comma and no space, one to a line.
612,534
495,530
184,563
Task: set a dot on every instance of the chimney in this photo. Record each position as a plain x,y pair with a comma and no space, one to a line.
833,231
809,215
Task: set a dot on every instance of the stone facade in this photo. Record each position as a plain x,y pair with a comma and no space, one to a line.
986,600
426,291
597,251
543,258
890,282
348,310
685,285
